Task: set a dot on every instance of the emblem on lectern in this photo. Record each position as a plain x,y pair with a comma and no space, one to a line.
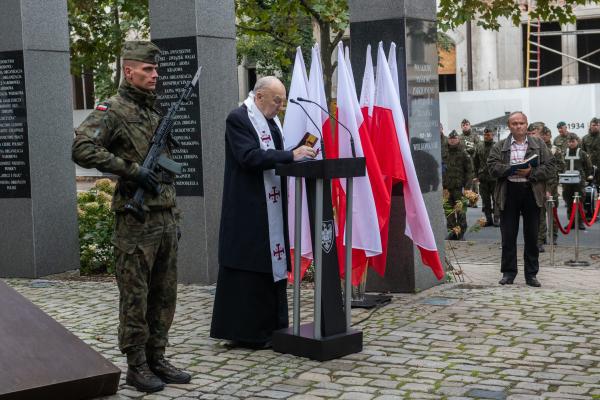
327,236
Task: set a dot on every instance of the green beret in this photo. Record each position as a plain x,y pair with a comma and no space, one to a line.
572,136
453,134
595,121
561,123
465,121
140,50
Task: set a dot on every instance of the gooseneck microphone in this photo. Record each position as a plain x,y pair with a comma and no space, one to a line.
335,119
293,101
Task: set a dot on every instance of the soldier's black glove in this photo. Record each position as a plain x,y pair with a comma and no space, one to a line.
148,180
178,233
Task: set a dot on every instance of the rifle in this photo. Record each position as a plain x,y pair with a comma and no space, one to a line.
155,157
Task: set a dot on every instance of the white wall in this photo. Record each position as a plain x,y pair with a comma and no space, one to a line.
575,104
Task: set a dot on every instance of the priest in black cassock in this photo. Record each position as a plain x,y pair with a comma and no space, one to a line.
250,301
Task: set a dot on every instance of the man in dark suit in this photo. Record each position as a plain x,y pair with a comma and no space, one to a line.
520,192
250,300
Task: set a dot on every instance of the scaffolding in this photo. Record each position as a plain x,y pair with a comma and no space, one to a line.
534,48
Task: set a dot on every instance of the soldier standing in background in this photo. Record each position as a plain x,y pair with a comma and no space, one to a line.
576,160
115,138
591,143
557,157
485,180
469,140
457,173
561,140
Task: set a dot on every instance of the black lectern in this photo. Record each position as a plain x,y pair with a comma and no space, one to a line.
329,336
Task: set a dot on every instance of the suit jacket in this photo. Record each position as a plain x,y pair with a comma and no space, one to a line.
244,233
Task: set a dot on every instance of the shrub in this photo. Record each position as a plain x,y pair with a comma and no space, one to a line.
96,221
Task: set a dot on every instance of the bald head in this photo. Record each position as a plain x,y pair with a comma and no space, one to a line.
269,96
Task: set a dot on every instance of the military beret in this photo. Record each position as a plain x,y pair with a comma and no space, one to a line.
487,129
595,121
141,50
453,134
465,121
531,128
572,136
561,124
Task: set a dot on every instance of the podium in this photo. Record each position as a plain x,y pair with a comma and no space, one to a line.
330,334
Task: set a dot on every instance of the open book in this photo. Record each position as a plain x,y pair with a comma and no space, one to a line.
531,161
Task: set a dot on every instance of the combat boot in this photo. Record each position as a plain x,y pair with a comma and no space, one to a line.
167,372
141,378
488,220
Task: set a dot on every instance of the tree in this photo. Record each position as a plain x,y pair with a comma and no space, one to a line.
270,30
97,30
452,13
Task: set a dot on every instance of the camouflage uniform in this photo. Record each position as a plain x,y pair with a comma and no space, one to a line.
552,188
457,172
470,140
591,145
115,138
486,182
561,143
584,165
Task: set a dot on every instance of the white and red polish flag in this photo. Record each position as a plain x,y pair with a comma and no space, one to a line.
316,93
393,63
369,190
393,150
367,94
294,128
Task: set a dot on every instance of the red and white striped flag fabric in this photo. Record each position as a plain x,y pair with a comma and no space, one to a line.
316,93
393,150
368,190
294,128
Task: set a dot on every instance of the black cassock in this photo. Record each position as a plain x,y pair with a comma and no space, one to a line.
248,306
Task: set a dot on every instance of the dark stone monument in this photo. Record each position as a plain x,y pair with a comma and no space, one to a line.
37,177
193,33
411,25
42,360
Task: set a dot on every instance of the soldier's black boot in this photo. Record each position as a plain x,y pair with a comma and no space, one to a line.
488,220
167,372
141,378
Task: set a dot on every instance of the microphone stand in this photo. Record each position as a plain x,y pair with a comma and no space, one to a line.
293,101
335,119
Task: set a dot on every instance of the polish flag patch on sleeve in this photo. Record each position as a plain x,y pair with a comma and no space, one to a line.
102,106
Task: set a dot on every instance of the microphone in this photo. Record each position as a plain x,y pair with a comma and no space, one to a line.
313,122
335,119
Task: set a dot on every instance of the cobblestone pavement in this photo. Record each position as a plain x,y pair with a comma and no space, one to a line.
474,340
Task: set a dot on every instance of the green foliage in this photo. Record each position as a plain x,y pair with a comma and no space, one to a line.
97,30
452,13
96,221
270,30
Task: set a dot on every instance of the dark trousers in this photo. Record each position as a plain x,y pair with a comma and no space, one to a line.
519,201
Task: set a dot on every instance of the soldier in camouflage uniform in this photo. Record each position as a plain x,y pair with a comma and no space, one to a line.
591,144
469,140
486,182
576,159
115,138
561,140
551,189
457,173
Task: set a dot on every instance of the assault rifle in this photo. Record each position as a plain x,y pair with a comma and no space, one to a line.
155,157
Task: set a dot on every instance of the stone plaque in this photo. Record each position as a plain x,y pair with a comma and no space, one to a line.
14,149
178,64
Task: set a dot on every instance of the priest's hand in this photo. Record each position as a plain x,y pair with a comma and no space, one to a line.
303,152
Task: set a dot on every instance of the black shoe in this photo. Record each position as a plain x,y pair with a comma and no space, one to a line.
581,227
167,372
506,280
141,378
554,242
541,248
533,282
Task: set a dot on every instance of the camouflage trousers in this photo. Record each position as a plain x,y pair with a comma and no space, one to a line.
486,191
146,271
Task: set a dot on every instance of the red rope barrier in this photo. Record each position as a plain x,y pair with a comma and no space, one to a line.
567,229
593,219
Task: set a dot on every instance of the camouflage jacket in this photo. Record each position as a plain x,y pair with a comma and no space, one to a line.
470,142
457,168
116,137
561,143
559,165
482,153
591,145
